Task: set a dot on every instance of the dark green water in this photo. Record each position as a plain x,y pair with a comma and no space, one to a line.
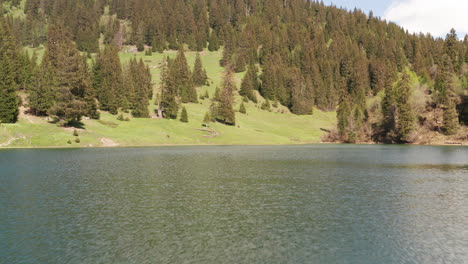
268,204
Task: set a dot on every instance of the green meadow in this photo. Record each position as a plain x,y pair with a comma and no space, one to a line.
277,126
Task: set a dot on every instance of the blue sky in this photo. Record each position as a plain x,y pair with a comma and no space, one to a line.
378,6
434,16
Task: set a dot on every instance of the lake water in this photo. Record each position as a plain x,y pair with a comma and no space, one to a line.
237,204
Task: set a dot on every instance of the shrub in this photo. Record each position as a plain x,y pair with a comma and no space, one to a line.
184,115
242,109
122,118
266,105
275,104
207,118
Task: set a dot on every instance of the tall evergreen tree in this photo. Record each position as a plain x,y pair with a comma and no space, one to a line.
68,89
138,84
270,79
405,123
345,119
199,76
8,54
222,107
444,82
389,113
183,79
168,105
250,83
451,123
108,80
451,49
42,95
213,44
87,29
301,94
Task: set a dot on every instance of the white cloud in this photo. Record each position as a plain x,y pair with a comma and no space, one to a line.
434,16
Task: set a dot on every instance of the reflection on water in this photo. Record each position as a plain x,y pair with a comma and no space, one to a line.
268,204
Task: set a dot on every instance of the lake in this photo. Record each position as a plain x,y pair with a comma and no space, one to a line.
235,204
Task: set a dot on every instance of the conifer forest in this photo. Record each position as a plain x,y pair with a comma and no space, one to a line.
61,60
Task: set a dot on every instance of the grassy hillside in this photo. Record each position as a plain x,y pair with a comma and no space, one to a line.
256,127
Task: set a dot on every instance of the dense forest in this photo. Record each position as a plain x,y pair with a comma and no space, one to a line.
301,54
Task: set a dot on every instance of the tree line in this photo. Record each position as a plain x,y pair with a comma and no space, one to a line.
301,54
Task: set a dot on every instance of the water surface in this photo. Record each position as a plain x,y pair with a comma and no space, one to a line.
237,204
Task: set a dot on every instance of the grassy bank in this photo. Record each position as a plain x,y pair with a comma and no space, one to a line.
274,128
277,126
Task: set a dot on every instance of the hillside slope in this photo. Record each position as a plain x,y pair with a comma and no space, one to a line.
376,82
256,127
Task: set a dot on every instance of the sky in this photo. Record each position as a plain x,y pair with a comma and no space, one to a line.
434,16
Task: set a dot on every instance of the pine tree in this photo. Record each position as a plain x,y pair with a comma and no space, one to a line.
444,83
168,105
158,44
344,119
250,83
42,96
199,76
271,79
184,115
140,87
227,54
108,79
68,82
73,82
92,111
25,69
239,62
451,49
301,94
139,37
389,113
450,118
242,109
87,29
222,109
405,114
213,44
183,78
207,118
8,53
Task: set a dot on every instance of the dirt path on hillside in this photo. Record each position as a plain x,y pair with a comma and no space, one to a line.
211,132
107,142
11,140
30,118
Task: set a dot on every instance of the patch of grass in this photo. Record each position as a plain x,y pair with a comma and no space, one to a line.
108,123
16,12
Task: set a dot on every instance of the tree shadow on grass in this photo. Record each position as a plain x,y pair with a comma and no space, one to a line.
75,124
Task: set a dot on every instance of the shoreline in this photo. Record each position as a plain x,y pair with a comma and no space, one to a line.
462,144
